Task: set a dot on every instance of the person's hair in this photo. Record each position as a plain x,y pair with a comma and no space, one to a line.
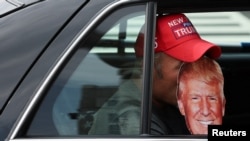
206,68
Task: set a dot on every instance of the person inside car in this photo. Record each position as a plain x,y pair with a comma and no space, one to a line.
200,94
176,41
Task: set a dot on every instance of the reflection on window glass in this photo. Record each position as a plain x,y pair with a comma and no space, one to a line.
120,113
222,27
95,93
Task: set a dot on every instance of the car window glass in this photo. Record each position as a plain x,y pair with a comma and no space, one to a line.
96,92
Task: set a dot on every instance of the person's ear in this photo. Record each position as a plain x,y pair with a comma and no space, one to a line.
181,106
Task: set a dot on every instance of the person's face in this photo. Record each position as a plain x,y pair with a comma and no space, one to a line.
165,80
202,104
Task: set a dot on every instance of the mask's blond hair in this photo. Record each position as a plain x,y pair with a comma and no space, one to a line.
205,68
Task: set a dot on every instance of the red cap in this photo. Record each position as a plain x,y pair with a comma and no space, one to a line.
177,37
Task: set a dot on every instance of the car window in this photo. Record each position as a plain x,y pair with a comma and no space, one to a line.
84,99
